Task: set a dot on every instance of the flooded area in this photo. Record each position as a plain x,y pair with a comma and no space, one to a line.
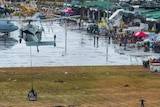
73,48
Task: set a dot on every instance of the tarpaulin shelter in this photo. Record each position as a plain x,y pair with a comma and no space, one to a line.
140,34
69,11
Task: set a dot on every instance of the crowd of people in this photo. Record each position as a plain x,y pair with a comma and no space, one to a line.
127,39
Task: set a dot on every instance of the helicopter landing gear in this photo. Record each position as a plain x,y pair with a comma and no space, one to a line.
20,40
37,49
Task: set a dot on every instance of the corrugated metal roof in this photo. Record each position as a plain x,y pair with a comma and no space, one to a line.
101,4
152,14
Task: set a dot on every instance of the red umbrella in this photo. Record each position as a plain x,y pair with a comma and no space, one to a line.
69,11
140,34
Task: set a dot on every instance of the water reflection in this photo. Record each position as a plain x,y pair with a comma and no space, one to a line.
7,43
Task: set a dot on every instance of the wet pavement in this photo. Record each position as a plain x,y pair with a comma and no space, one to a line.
74,48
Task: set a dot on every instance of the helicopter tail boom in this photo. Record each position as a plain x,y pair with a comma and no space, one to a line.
44,43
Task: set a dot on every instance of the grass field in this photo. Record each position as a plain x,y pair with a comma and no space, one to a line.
83,86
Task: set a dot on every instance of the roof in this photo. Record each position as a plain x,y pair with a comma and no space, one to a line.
151,15
101,4
150,5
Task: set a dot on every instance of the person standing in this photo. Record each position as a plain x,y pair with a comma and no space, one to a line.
125,42
142,102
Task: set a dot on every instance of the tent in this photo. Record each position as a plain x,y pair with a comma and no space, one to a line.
69,11
140,34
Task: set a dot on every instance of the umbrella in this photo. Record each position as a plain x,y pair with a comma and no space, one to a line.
140,34
69,11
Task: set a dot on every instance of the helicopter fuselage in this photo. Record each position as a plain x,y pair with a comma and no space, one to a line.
31,32
6,27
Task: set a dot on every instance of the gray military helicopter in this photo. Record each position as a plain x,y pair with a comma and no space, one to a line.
32,34
5,25
5,28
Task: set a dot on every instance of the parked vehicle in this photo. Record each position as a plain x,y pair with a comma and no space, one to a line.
93,28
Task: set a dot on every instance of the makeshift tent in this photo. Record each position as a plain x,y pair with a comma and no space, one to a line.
140,34
69,11
151,15
103,5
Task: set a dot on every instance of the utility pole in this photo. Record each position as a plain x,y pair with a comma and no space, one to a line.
108,30
65,3
65,36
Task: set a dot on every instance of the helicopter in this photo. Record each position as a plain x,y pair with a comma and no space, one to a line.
5,25
32,35
5,28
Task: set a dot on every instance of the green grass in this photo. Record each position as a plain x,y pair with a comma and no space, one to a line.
86,86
